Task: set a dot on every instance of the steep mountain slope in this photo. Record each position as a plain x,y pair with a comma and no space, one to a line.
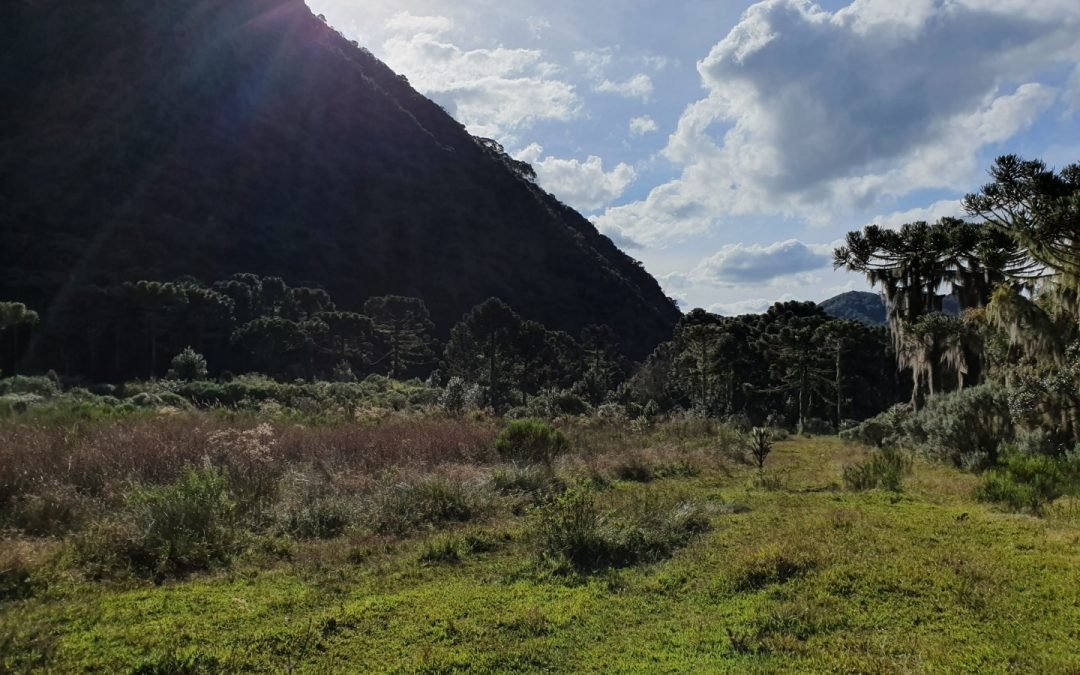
147,140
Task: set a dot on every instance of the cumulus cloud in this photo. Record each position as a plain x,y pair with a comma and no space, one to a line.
583,185
749,306
639,86
496,92
819,114
740,264
639,126
946,208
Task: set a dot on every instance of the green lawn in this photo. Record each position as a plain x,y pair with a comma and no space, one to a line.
810,579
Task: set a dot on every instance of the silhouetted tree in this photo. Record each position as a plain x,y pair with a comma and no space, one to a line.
403,329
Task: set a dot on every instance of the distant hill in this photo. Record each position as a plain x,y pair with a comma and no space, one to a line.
149,140
869,308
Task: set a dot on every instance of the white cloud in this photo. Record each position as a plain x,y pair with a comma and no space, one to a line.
755,265
639,126
583,185
497,92
946,208
741,264
1072,91
639,86
407,23
537,26
818,114
749,306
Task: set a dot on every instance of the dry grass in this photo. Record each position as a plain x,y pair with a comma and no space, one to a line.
96,459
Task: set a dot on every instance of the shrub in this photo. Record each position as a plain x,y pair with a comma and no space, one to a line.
531,441
168,529
441,551
885,429
429,502
188,365
884,469
16,574
975,420
459,396
43,386
308,508
533,480
52,510
572,532
815,426
760,445
1030,482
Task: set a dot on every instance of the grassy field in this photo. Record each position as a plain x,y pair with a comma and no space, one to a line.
794,575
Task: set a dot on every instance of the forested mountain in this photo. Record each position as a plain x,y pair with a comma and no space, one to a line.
870,309
866,308
154,140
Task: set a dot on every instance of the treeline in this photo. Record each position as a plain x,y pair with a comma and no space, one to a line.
789,366
258,324
793,366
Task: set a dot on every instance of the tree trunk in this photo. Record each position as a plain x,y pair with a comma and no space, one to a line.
839,392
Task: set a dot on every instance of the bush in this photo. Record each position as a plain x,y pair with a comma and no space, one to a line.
972,421
43,386
308,508
815,426
52,510
884,469
460,396
16,575
531,441
571,532
885,429
427,503
533,480
166,530
188,365
1030,482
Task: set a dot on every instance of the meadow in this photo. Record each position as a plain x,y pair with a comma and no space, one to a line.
196,541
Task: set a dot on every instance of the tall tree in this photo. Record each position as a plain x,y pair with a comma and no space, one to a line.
481,349
15,317
403,333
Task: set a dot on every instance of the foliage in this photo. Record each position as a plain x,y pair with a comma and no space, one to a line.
572,531
759,443
1026,482
885,469
166,530
188,365
959,426
429,502
531,441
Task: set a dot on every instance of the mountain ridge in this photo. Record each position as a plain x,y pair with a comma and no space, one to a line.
204,138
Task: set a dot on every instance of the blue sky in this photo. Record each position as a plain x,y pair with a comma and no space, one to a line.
730,145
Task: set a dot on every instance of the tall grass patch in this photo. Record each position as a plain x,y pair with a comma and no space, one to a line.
573,533
166,530
885,469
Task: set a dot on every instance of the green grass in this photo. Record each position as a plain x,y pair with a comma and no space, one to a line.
813,578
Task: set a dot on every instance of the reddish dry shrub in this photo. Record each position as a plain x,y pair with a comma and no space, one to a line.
95,459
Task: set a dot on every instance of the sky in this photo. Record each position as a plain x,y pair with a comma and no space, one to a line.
731,145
